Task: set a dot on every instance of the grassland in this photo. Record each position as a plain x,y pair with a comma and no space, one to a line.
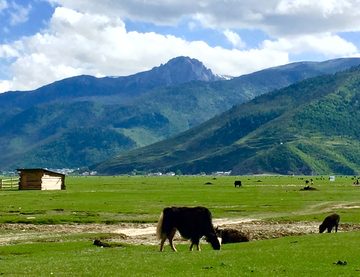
140,199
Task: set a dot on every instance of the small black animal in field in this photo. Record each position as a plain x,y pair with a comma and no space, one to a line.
231,236
192,223
237,183
308,188
99,243
330,222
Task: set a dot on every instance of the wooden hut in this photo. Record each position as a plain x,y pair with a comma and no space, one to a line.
40,179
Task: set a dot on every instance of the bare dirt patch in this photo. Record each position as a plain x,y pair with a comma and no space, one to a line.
145,234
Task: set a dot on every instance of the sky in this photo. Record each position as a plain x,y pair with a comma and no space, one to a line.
42,41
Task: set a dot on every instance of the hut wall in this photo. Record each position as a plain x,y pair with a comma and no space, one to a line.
30,181
51,182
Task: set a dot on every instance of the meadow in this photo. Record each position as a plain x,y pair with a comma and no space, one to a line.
110,200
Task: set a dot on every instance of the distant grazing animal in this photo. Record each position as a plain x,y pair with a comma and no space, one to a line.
99,243
231,236
237,183
307,181
308,188
192,223
330,222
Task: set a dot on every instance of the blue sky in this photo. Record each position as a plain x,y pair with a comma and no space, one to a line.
42,41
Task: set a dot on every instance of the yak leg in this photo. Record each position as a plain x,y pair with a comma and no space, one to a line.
336,227
171,236
162,244
329,229
197,247
193,242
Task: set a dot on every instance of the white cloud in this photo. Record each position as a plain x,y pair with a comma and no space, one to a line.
276,17
3,5
7,51
88,36
234,39
236,62
5,86
324,7
98,45
326,44
20,14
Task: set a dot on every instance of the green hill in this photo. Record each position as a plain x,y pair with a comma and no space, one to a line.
310,127
51,134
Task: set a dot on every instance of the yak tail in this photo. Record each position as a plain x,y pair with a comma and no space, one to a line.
159,231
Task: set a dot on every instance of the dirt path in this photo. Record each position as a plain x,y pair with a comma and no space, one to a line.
145,234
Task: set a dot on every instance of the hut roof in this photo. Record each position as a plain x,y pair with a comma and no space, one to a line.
39,169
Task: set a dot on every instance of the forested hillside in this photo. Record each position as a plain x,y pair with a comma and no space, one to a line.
310,127
53,134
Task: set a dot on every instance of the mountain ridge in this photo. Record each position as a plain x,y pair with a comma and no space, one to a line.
110,90
28,134
309,127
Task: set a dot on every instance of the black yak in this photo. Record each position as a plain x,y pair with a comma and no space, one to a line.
100,243
330,222
192,223
237,183
231,236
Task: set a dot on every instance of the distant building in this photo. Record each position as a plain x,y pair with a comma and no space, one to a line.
65,171
155,174
222,173
40,179
170,174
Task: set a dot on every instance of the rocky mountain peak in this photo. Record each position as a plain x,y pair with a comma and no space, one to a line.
182,69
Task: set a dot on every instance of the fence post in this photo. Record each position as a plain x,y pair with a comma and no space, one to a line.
0,183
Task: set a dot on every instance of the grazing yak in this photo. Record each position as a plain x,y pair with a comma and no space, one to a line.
231,236
238,183
192,223
101,244
330,222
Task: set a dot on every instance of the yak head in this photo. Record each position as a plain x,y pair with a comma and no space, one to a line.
214,240
322,228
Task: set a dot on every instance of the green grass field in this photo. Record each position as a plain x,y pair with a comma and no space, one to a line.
141,199
311,255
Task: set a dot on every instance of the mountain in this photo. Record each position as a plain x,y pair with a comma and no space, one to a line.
110,90
309,127
53,134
